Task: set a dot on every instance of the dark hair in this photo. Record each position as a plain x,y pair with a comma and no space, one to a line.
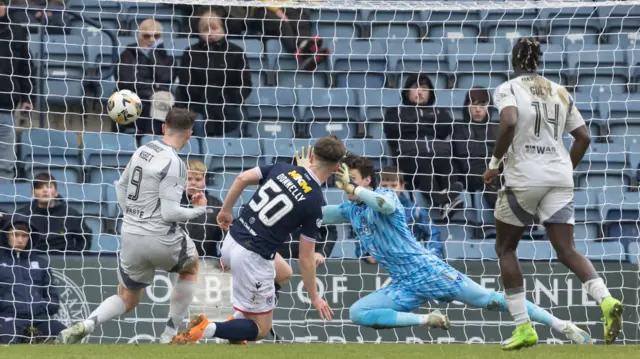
526,54
364,166
43,179
329,149
390,173
180,119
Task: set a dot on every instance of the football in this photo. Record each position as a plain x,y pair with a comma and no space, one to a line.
124,107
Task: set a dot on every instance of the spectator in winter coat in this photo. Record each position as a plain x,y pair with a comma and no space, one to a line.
203,230
418,131
214,79
474,139
16,87
146,69
37,12
28,299
418,218
60,227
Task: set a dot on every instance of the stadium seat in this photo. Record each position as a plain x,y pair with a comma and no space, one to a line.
453,27
278,59
106,152
423,57
370,148
330,31
634,252
554,65
14,196
64,58
619,23
283,149
620,110
106,243
603,165
271,129
301,79
453,101
482,64
175,46
341,129
589,105
358,63
335,197
191,151
88,200
569,25
231,153
470,249
327,105
375,102
169,16
634,160
619,206
611,73
387,24
52,151
271,103
587,206
602,251
108,14
506,26
469,214
330,16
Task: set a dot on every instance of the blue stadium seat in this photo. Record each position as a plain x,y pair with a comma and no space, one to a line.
100,51
375,102
453,27
109,14
618,22
341,129
602,251
634,252
283,149
619,206
458,248
587,206
301,79
327,105
273,103
335,197
358,63
400,24
111,202
620,108
370,148
452,100
634,160
469,215
604,164
165,14
570,25
88,199
269,129
330,16
423,57
554,65
409,31
106,152
278,59
254,51
14,196
106,243
508,25
191,151
64,59
611,72
589,105
175,46
52,151
336,30
482,64
231,153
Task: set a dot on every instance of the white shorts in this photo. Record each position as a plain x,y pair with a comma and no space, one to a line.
252,277
141,255
524,206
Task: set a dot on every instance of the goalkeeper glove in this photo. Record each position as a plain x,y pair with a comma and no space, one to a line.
343,179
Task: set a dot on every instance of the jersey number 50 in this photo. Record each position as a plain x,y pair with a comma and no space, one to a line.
267,203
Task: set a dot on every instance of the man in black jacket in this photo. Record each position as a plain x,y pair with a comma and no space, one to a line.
61,228
418,131
15,87
214,79
203,230
145,68
28,299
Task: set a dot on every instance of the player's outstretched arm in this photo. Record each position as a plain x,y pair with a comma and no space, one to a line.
308,273
377,201
171,189
333,215
246,178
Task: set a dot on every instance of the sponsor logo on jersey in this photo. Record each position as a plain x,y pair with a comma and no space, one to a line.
540,150
73,303
300,180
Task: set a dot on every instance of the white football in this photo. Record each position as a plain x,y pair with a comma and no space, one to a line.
124,107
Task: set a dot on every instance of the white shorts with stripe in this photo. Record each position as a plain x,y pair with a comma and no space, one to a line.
532,205
252,277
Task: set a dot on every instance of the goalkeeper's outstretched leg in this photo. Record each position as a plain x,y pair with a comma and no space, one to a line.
475,295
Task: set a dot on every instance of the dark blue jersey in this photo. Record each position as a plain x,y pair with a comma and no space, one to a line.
289,198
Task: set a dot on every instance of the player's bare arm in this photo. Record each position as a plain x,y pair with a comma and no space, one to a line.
506,131
308,274
582,139
246,178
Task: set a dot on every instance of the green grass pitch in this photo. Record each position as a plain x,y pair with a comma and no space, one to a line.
308,351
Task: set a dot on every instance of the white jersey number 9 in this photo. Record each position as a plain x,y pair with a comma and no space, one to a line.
267,203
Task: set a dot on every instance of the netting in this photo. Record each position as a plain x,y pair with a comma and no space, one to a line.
279,79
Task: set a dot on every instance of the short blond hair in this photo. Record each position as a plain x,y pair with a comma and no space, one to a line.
196,166
207,18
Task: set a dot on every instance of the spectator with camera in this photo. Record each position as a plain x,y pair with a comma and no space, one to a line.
214,80
28,299
61,228
146,69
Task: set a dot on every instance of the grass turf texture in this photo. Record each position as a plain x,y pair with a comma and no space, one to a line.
308,351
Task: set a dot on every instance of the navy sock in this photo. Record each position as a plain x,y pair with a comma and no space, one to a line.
237,330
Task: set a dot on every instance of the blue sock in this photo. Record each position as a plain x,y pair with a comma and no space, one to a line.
237,330
384,318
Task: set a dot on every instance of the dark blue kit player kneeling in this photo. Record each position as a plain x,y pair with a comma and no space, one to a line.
289,198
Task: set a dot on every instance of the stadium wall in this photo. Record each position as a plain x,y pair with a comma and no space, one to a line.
85,282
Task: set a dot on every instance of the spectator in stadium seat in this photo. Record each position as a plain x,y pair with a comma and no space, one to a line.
28,299
16,87
204,230
61,228
214,79
473,140
418,218
38,12
418,131
145,68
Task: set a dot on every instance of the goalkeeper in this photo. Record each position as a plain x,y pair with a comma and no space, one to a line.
417,275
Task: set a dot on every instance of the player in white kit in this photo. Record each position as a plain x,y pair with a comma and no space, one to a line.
534,114
149,193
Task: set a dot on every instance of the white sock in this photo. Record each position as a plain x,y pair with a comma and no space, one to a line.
558,325
209,331
181,298
424,319
238,315
112,307
597,289
517,303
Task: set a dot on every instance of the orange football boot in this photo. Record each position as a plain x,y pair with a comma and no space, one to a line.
194,330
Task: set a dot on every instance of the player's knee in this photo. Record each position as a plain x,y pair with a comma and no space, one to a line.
190,271
502,248
358,315
263,330
284,275
130,298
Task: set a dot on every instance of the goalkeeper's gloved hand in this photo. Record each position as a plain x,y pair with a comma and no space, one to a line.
343,179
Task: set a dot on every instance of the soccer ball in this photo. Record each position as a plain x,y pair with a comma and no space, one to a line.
124,107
